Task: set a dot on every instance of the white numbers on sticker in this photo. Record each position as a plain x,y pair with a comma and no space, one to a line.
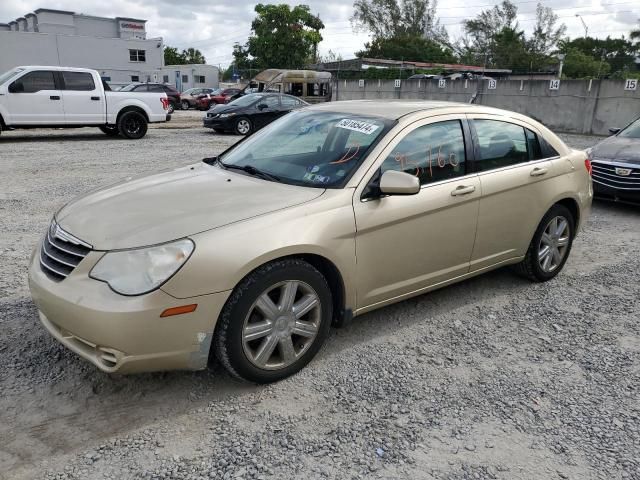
397,83
442,83
631,84
361,83
492,84
554,84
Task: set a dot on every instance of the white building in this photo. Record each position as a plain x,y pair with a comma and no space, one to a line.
117,47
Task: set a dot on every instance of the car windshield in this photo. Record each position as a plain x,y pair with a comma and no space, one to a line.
245,101
632,131
7,75
309,147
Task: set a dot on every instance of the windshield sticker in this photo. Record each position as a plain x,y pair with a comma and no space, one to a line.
313,178
357,126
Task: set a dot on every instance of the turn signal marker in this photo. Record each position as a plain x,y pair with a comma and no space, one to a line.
179,310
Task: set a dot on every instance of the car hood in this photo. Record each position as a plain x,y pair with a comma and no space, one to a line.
174,204
620,149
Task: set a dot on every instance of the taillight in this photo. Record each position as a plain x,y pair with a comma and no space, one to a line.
587,165
165,103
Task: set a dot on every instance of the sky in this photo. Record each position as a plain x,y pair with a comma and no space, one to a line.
213,26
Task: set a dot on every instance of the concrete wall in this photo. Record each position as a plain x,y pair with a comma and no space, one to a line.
578,106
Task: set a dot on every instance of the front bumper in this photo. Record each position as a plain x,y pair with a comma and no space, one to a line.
119,333
220,123
610,184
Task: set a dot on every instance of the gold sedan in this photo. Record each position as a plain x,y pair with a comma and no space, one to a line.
330,212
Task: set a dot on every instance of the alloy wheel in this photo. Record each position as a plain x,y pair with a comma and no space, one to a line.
281,325
554,244
243,126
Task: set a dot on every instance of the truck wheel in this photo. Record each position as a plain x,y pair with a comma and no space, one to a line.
185,105
110,130
132,125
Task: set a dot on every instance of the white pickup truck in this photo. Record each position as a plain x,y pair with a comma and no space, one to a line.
61,97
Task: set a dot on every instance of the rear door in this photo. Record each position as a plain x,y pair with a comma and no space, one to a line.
84,101
516,182
35,99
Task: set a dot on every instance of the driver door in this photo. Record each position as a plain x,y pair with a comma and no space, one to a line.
267,114
406,244
35,99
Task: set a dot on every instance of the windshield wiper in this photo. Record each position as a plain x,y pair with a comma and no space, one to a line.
251,170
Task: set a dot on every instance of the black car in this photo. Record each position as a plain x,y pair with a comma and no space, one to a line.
250,112
616,165
172,94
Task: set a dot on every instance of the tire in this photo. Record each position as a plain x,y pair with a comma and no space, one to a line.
240,355
539,267
132,124
184,105
109,130
243,126
171,108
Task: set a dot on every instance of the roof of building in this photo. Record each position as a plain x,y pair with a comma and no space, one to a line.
51,10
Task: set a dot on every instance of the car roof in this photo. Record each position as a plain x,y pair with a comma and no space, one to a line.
395,109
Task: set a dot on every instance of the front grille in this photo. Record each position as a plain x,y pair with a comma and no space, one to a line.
60,253
605,174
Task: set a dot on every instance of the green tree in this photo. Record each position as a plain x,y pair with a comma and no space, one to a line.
579,65
282,37
408,47
635,35
509,50
193,56
172,56
481,31
546,36
619,53
399,18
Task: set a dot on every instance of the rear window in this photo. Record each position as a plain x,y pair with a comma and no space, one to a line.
82,81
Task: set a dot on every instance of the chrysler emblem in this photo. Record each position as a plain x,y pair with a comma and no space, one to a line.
625,172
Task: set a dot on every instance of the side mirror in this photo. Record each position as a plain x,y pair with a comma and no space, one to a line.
613,131
399,183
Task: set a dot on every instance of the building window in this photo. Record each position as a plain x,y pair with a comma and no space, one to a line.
199,79
185,78
165,79
137,56
135,78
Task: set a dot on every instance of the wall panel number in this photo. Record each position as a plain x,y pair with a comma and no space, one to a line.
361,83
554,84
492,84
631,84
442,83
397,83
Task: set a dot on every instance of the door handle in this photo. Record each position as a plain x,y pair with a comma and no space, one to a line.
463,190
54,97
97,99
538,171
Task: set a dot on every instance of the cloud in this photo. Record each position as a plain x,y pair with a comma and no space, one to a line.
213,27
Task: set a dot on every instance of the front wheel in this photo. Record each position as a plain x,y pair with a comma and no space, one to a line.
243,126
275,321
110,130
171,108
185,105
132,125
550,246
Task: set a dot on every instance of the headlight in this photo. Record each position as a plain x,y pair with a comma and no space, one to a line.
225,115
142,270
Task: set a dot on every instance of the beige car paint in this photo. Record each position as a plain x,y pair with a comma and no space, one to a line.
385,249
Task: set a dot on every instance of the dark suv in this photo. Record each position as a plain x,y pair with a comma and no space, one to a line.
172,94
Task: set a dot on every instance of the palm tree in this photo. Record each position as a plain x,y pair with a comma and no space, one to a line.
635,34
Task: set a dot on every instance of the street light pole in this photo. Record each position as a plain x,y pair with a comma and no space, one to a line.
586,29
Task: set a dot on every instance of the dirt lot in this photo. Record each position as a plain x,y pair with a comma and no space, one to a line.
491,378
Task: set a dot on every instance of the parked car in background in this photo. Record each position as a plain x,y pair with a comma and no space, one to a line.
203,102
332,211
225,95
189,98
250,112
62,97
616,165
172,94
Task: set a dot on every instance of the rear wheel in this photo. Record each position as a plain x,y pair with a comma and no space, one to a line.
110,130
275,321
550,246
132,125
243,126
171,108
184,104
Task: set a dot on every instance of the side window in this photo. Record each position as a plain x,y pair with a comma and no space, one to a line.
535,153
547,150
78,81
432,152
33,82
271,101
288,102
156,88
501,144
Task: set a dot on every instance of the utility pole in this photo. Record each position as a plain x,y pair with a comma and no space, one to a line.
561,57
586,29
604,54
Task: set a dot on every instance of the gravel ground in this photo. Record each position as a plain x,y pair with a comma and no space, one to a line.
494,377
